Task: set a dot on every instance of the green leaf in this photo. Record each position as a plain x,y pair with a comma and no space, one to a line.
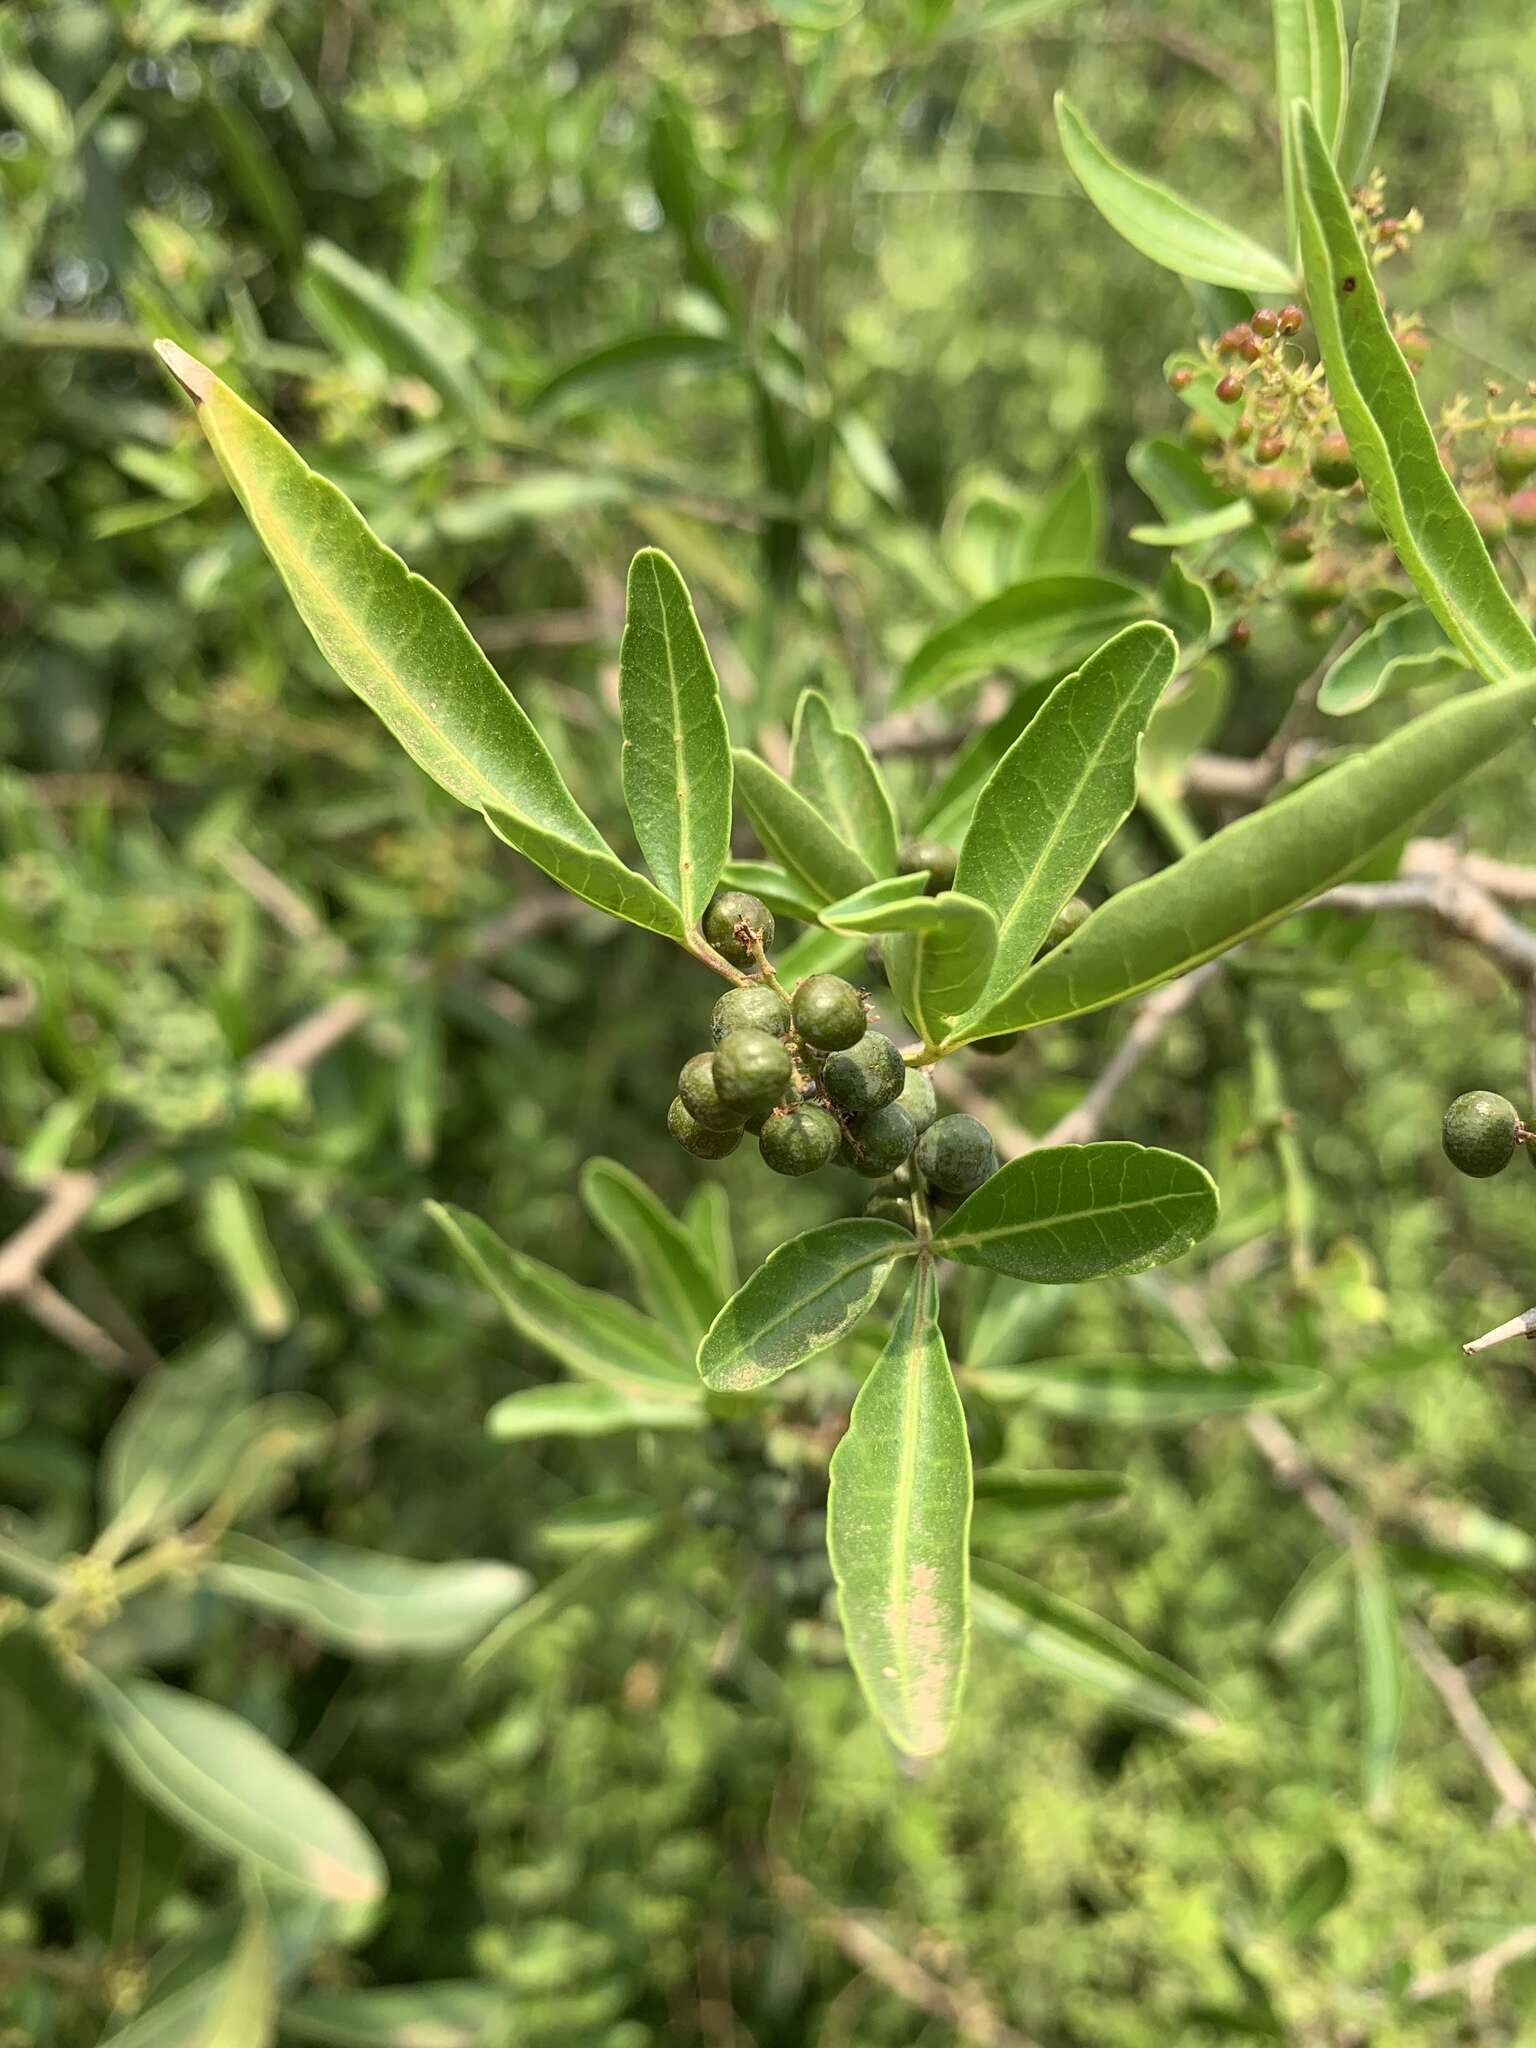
447,2015
671,1274
947,813
234,1232
1158,222
408,335
803,1297
1066,535
676,758
707,1219
1146,1390
536,496
870,910
1389,435
898,1527
566,1410
1311,63
130,1860
834,771
1069,1642
1199,526
1318,1886
243,2009
819,952
214,1775
1060,794
255,170
589,1332
1041,621
765,878
1263,867
600,1520
1369,70
1405,649
939,958
1010,1500
1067,1213
402,648
1379,1644
177,1440
366,1604
795,834
612,369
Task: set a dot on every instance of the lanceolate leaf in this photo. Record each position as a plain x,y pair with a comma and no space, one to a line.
1075,1212
802,1298
401,646
449,2015
1265,866
676,758
669,1270
784,896
795,833
1060,793
1369,70
618,364
870,910
215,1776
178,1440
939,959
835,771
1043,620
1145,1390
1311,62
569,1409
898,1526
243,2012
1381,1674
130,1860
1066,535
1405,648
589,1332
1390,437
1161,224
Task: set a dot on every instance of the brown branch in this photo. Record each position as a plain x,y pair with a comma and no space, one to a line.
1463,908
72,1326
1151,1020
1479,1975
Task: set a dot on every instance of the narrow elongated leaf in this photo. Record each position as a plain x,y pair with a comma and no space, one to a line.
784,896
1070,1642
1199,526
803,1297
215,1776
1013,1500
707,1219
1406,648
399,644
243,2011
1311,60
819,952
1380,1650
1075,1212
1370,68
1389,435
1158,222
130,1859
670,1273
1066,535
177,1440
676,757
1265,866
939,959
408,335
1060,794
575,1410
448,2015
234,1232
898,1529
367,1604
1038,622
835,771
611,369
1146,1390
869,910
795,833
591,1333
1317,1887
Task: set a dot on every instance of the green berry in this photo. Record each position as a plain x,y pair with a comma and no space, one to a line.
881,1140
918,1099
828,1012
1479,1133
867,1076
732,919
697,1138
891,1209
1272,494
1515,455
751,1071
1293,543
755,1008
698,1091
939,860
957,1154
801,1140
1332,464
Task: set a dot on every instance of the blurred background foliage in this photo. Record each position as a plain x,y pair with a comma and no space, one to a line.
791,288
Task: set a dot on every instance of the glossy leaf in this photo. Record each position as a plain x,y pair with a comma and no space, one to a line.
898,1526
447,2015
819,952
1265,866
1060,794
130,1860
1146,1390
1379,1645
1389,435
589,1332
1066,535
1370,68
676,756
366,1604
610,370
939,958
1158,222
1311,64
1041,621
1401,651
243,2010
804,1296
563,1409
1067,1213
671,1274
216,1776
868,911
177,1441
795,833
836,773
399,644
1070,1642
784,896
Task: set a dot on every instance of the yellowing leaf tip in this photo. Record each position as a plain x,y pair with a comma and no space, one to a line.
189,373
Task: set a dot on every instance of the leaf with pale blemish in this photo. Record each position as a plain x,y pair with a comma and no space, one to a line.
803,1297
898,1526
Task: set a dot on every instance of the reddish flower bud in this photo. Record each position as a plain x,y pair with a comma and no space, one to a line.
1266,322
1235,339
1490,518
1181,378
1242,431
1239,633
1229,389
1515,456
1522,512
1269,448
1292,319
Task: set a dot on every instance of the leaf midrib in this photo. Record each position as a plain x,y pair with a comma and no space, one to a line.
805,1301
970,1237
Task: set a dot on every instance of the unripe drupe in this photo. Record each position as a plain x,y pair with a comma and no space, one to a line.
732,919
957,1154
867,1076
700,1095
1479,1133
828,1012
697,1138
801,1140
751,1071
757,1008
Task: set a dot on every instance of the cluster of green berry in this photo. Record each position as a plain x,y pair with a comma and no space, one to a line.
775,1498
1480,1133
808,1077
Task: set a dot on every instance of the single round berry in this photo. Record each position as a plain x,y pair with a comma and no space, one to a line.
1269,448
1332,464
1316,587
1071,917
1522,513
1291,319
891,1209
918,1099
1491,518
699,1092
867,1076
1265,322
1514,456
732,920
1272,494
801,1140
828,1012
697,1138
1479,1133
1294,543
1229,389
755,1008
751,1071
881,1140
992,1048
957,1154
1181,377
939,860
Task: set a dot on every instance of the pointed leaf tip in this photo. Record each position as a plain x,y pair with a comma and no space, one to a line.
189,373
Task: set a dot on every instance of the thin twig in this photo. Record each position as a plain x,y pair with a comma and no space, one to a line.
1479,1974
72,1326
1151,1021
1468,911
